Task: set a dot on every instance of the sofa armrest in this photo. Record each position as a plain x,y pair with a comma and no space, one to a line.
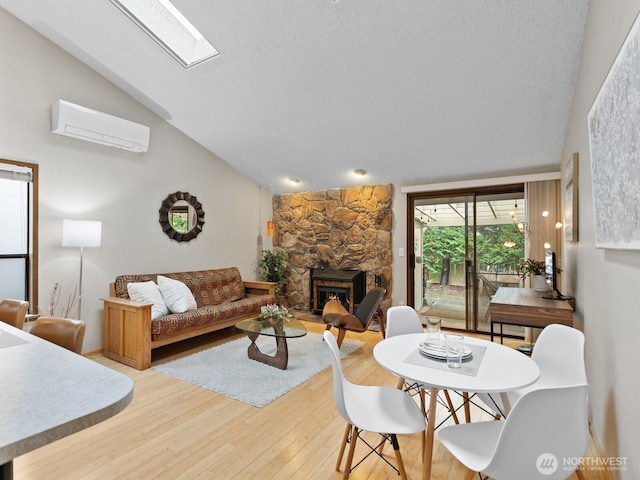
127,332
253,288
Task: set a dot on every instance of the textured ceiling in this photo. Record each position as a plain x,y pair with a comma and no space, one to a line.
413,91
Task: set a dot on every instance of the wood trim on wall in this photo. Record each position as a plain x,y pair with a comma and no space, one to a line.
33,304
473,184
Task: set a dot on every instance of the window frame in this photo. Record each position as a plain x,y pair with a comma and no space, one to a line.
32,256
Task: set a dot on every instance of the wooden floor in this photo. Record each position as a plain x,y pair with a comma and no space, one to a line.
175,430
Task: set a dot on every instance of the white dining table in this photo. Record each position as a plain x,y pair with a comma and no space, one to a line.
47,392
500,369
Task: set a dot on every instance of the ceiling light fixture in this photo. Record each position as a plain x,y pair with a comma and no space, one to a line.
532,228
360,172
294,180
164,23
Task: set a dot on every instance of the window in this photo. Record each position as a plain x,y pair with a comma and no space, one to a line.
18,242
164,23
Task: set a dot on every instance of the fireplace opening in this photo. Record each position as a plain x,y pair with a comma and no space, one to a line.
327,293
346,285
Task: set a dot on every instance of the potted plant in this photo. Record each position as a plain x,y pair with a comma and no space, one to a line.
273,268
536,270
274,314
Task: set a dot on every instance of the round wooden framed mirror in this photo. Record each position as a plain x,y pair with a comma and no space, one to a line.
181,216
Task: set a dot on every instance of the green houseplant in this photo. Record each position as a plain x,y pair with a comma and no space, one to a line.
273,268
536,270
531,267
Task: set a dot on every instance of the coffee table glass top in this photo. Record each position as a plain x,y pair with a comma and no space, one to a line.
287,327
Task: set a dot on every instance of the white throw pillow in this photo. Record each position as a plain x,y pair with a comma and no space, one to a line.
148,292
176,295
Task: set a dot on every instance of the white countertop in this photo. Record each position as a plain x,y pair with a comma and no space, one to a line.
47,392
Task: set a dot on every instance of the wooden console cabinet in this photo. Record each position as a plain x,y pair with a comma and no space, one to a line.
127,332
527,308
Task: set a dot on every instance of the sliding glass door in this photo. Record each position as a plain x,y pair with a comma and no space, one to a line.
465,245
444,258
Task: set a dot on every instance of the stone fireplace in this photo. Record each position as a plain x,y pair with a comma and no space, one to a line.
346,229
348,286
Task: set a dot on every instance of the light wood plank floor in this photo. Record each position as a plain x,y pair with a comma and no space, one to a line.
175,430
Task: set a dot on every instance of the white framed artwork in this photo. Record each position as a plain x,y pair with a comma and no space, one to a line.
614,141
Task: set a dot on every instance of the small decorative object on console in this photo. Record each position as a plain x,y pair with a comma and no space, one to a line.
536,270
531,267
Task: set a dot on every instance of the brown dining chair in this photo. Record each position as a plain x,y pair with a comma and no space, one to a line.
65,332
361,318
13,312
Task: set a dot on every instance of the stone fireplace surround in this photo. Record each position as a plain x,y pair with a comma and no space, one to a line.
339,229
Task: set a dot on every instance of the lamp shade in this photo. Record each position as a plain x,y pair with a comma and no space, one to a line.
81,233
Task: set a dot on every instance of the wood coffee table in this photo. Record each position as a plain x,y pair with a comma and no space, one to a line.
281,330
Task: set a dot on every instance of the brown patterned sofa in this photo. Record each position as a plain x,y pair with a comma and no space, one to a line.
222,299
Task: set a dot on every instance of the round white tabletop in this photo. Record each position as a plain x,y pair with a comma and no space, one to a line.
501,369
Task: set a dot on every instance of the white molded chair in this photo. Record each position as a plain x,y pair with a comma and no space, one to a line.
545,427
559,352
403,320
378,409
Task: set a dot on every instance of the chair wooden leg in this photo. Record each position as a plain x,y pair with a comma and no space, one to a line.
470,474
347,432
352,449
400,383
400,464
385,436
467,409
451,407
341,333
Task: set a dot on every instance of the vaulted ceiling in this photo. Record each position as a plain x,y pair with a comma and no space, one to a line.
412,91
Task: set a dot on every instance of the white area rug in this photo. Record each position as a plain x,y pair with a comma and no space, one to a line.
227,369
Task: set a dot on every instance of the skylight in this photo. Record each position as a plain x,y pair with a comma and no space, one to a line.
162,21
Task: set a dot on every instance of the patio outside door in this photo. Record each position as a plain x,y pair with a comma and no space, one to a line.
464,247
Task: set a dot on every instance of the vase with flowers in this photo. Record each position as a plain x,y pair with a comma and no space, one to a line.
535,269
274,314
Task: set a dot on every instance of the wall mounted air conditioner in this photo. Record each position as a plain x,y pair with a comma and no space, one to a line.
75,121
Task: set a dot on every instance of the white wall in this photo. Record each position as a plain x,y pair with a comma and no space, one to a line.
605,282
124,190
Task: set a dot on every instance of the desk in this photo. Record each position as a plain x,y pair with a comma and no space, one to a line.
47,392
525,307
502,369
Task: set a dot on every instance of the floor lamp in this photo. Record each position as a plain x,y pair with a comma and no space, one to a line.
81,233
